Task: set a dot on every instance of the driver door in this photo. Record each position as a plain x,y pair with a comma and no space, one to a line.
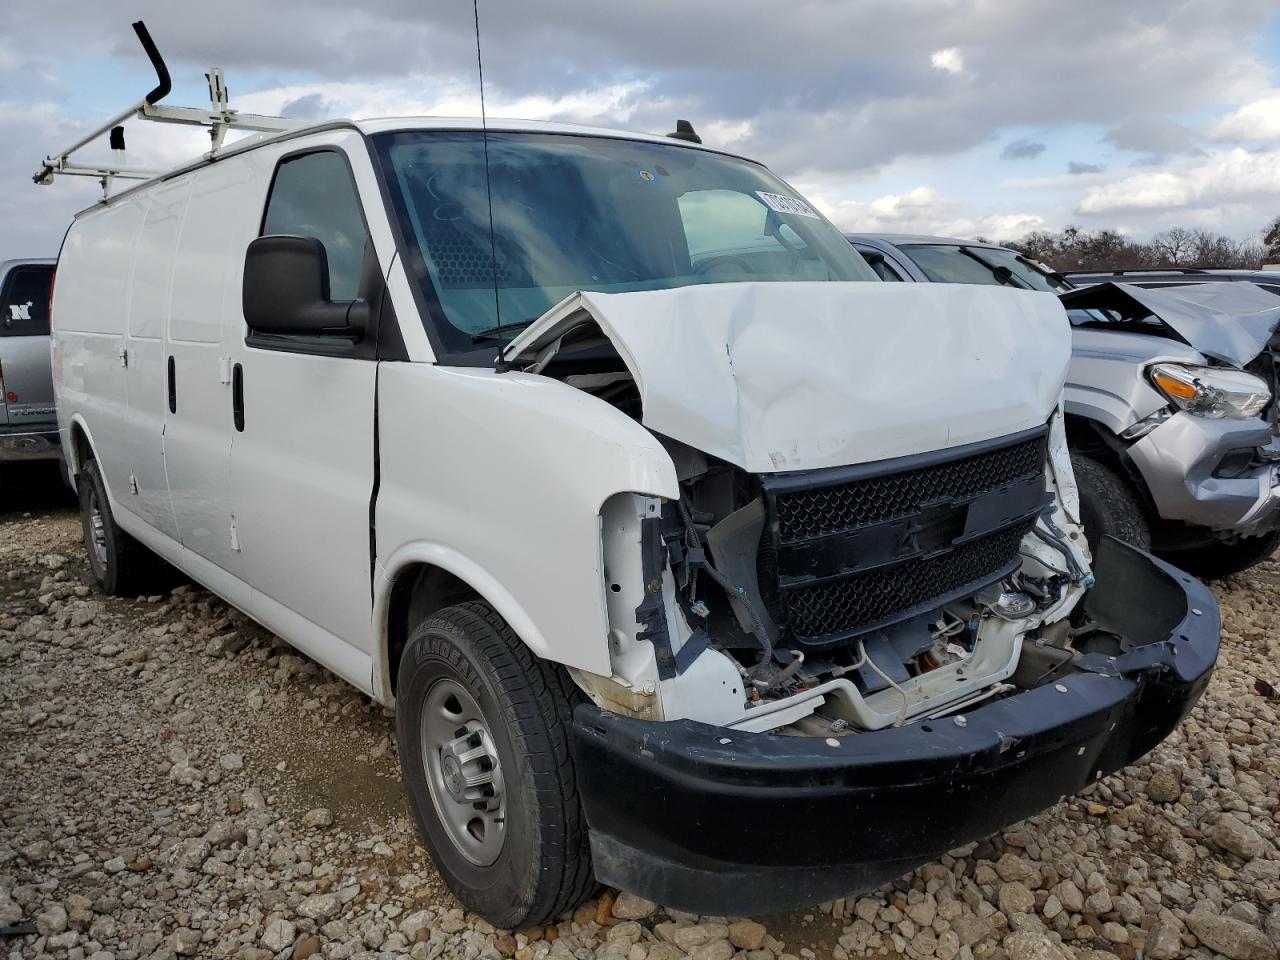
302,443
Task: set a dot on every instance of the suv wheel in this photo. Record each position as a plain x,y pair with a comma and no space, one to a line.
121,566
483,728
1107,505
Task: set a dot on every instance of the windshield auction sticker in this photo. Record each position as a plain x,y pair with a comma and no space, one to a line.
785,204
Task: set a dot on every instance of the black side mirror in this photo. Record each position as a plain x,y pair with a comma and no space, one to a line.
286,291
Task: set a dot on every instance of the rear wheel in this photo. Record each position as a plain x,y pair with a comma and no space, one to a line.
483,728
1224,559
121,566
1107,506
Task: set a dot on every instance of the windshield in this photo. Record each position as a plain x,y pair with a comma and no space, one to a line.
577,213
954,263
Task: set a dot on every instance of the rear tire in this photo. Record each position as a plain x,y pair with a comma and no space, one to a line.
495,797
1223,559
120,565
1108,506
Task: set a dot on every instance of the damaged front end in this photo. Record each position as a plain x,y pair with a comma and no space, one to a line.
845,599
846,646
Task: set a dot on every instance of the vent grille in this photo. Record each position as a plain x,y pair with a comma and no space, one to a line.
822,511
863,601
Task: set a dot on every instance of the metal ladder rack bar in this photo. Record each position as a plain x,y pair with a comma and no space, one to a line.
218,118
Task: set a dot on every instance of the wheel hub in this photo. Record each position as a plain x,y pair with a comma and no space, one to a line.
463,771
467,766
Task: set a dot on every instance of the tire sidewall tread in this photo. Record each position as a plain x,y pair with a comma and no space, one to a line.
544,868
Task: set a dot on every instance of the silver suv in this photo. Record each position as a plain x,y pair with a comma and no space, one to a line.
1170,400
28,422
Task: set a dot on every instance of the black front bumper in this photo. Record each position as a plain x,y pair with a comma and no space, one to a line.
718,821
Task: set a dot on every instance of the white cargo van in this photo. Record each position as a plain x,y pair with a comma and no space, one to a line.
692,558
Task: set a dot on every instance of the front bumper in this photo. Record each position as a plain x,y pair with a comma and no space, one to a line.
23,442
1177,460
729,823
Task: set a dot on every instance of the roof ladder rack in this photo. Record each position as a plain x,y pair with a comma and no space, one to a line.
219,118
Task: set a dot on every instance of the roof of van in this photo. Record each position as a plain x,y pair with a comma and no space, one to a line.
394,124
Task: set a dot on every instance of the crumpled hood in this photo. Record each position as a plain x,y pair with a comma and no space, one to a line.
791,376
1231,321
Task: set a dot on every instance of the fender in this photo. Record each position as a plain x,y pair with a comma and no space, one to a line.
469,572
499,479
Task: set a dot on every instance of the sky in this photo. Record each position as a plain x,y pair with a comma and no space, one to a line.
955,117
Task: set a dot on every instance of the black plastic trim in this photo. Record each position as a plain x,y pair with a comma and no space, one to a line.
718,821
172,381
237,397
163,83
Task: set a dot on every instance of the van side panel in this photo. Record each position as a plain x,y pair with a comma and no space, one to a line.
90,316
204,318
148,356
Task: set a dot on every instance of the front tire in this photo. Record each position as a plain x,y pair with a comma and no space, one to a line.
483,727
1223,559
121,566
1107,506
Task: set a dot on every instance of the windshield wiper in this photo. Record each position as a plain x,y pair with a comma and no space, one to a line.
999,270
497,333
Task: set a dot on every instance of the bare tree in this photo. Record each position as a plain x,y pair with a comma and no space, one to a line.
1174,247
1075,249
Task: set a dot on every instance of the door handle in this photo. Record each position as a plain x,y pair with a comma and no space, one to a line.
237,397
173,388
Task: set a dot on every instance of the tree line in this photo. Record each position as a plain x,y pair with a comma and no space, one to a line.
1074,248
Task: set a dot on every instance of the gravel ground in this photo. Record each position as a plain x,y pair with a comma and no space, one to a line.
174,781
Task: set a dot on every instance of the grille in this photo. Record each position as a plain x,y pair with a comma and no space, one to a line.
860,602
820,511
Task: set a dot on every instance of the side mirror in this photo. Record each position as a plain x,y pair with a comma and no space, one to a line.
286,291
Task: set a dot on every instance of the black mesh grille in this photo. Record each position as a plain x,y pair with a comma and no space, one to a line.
864,600
820,511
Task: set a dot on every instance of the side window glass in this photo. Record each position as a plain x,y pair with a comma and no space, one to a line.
314,196
25,310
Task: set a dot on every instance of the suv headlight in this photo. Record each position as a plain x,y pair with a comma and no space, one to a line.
1211,392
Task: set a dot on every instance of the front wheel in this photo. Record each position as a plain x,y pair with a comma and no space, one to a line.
483,727
1223,559
1107,506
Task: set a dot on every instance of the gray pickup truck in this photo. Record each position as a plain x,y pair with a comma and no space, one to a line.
1172,413
28,421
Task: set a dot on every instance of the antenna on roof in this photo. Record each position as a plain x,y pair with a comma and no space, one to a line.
218,118
684,131
500,364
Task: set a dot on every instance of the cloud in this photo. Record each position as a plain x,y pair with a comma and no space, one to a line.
1022,149
923,210
1257,120
1223,177
310,106
948,60
828,94
1076,168
1150,135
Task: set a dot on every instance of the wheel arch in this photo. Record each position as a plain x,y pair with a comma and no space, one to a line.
1091,437
422,578
80,446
